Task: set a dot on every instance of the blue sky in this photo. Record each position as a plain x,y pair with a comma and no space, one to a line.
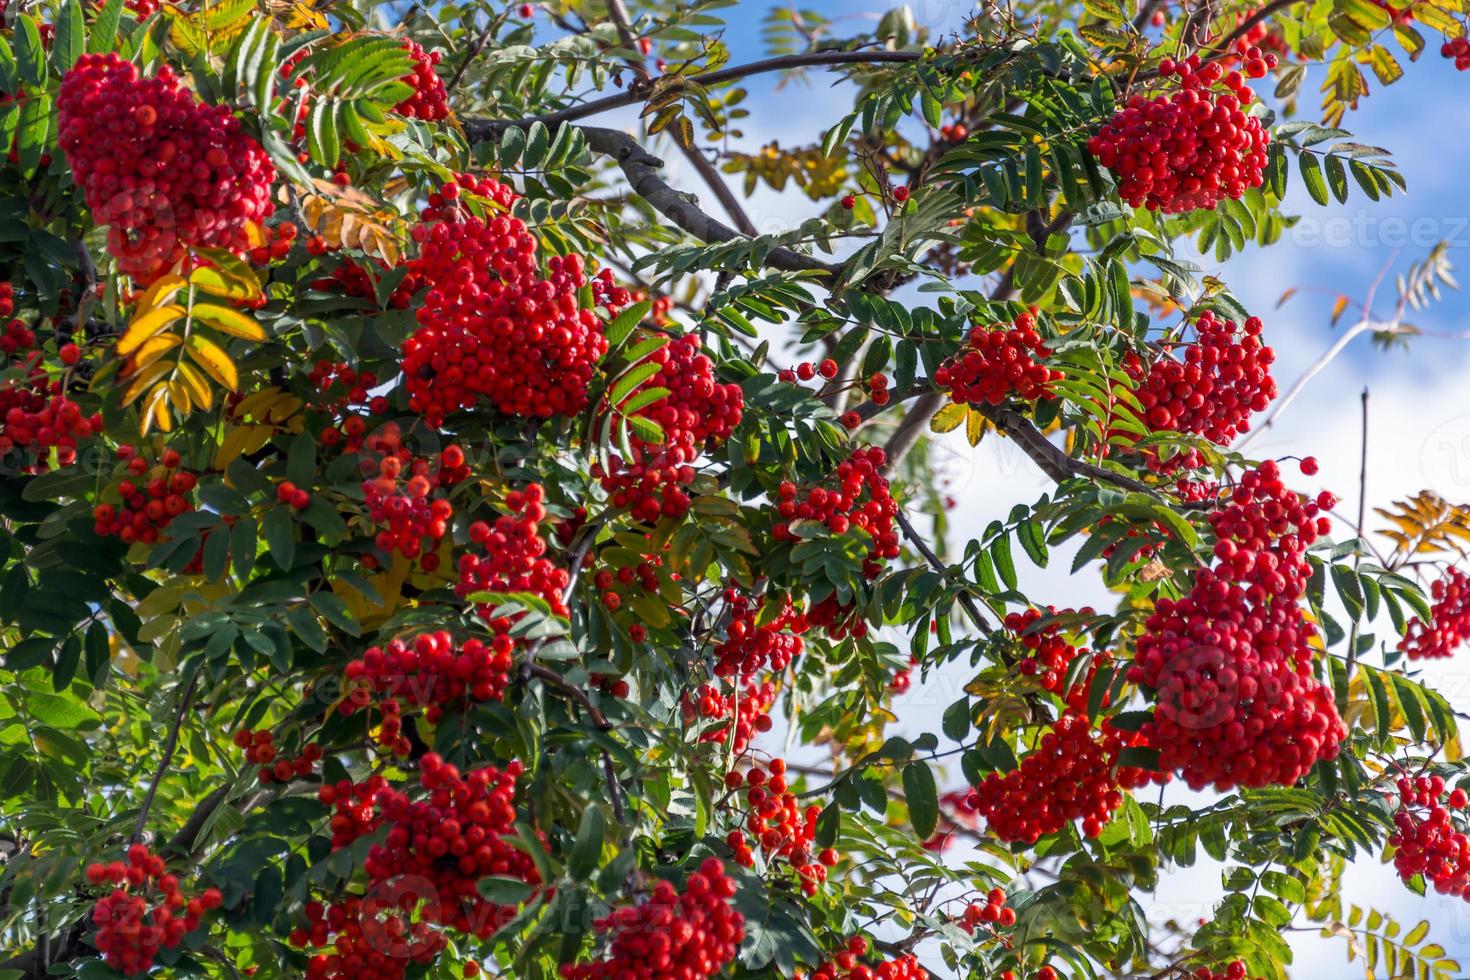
1419,412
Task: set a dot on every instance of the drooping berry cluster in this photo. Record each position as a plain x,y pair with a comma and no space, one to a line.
337,385
448,840
429,672
351,279
146,509
491,327
847,965
752,646
260,750
363,938
855,498
622,581
278,240
992,912
292,496
998,362
398,489
748,709
514,556
1184,152
146,911
698,413
1426,840
671,936
777,826
1048,653
1449,628
36,416
1230,664
429,100
1458,51
1073,774
162,170
1225,376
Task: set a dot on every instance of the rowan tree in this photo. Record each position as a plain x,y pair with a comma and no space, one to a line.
439,544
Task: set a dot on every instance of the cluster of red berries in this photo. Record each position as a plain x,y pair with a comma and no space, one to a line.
1449,627
752,646
956,132
429,671
368,939
748,708
1184,152
292,496
860,500
806,370
161,169
260,750
992,912
409,521
336,385
1048,652
778,826
146,911
698,413
847,965
514,556
351,279
1073,774
147,509
490,326
903,678
1231,662
1458,51
430,100
277,245
1425,838
671,936
36,416
623,582
998,362
449,840
1234,970
1224,378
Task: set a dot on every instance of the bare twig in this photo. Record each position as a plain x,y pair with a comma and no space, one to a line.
966,600
170,743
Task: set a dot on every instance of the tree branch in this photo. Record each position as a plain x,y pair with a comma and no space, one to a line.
641,168
966,600
636,92
169,744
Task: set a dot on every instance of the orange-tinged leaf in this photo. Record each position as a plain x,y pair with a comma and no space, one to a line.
1338,306
146,325
160,292
153,348
144,380
215,362
200,390
229,320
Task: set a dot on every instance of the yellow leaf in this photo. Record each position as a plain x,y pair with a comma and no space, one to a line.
179,395
949,418
1337,307
253,404
975,426
215,282
229,320
215,362
155,347
146,325
200,391
143,381
156,411
159,293
232,445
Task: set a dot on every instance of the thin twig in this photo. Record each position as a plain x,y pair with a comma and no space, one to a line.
169,744
966,600
470,56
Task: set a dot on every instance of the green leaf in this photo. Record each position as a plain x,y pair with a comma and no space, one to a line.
280,536
104,29
71,37
923,798
588,847
30,55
